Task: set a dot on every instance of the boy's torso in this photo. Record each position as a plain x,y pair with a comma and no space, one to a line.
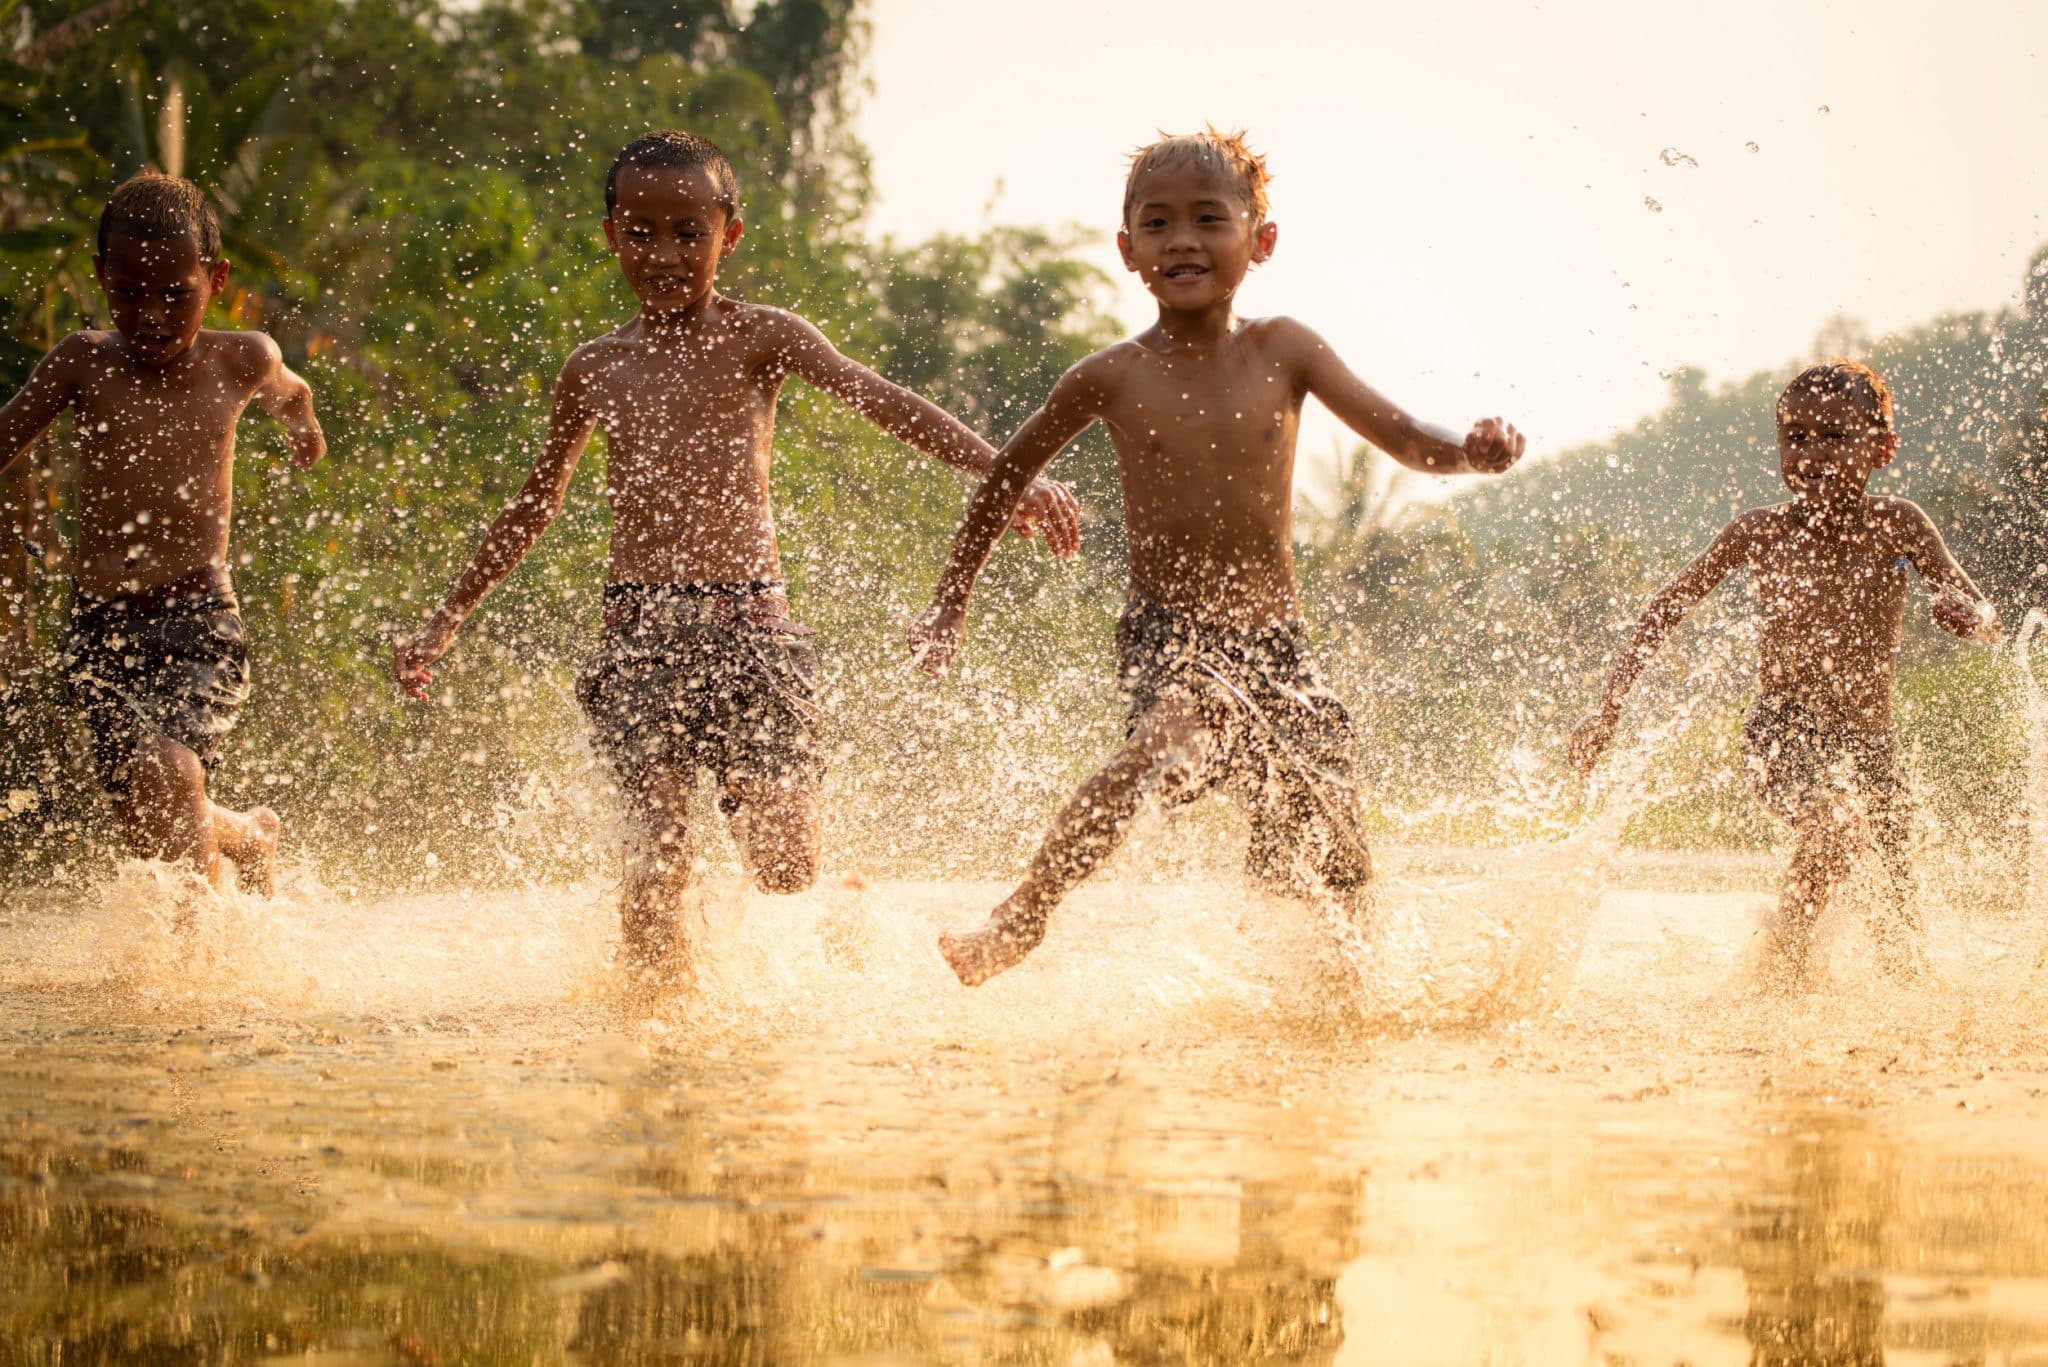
1205,446
689,422
1833,601
156,460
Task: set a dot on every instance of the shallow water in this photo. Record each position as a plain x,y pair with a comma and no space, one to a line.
430,1130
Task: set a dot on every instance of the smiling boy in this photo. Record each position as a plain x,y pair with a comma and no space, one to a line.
155,657
1219,686
700,665
1830,570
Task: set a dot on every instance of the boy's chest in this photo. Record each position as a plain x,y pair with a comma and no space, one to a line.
1859,579
198,413
649,397
1191,409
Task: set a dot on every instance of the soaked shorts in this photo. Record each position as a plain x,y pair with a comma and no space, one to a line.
170,662
704,676
1797,759
1279,740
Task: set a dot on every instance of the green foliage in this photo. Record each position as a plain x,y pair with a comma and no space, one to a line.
411,195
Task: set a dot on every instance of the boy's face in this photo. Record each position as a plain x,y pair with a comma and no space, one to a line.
1191,238
669,232
158,289
1829,445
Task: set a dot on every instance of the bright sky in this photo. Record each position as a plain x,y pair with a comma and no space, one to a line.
1463,188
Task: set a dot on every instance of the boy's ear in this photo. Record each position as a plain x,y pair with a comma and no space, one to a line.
1264,240
1890,447
1123,247
611,236
733,228
217,278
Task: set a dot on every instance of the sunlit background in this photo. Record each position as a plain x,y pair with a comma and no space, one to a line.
1526,208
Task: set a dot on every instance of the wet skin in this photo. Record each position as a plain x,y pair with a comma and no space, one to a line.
685,393
156,402
1203,408
1830,569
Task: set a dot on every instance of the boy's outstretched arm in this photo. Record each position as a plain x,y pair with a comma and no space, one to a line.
1490,448
1047,507
511,535
1960,607
52,387
1665,610
1074,402
286,396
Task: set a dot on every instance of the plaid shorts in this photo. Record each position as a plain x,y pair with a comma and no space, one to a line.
704,676
173,663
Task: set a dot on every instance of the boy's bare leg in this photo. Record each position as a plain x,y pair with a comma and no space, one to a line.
1820,861
776,825
658,867
1895,929
165,814
1162,752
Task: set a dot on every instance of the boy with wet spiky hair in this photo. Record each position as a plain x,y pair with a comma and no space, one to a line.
700,665
155,657
1219,686
1830,570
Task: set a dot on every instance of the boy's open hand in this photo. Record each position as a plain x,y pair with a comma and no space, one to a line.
935,638
1493,446
1048,509
308,447
1590,739
1973,619
411,656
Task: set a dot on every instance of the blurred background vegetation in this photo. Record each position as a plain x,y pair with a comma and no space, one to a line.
410,193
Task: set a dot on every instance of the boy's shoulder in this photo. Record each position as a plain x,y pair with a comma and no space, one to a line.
88,345
251,357
1899,509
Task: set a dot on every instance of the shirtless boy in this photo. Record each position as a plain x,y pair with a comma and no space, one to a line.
155,657
700,665
1831,583
1218,683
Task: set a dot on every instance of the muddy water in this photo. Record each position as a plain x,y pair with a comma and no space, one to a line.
1551,1125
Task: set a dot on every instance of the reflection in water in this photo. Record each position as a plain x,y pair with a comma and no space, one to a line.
1140,1148
1811,1242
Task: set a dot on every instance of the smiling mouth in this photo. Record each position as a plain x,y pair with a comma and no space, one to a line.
1186,272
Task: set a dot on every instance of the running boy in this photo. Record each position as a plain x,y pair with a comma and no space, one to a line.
1830,571
156,657
700,665
1218,684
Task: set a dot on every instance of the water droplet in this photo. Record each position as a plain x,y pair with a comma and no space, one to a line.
1823,109
1671,156
1652,205
1752,147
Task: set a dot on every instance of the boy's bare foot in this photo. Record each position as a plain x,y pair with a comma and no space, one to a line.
254,850
979,955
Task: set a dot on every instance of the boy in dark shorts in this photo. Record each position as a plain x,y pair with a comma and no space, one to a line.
1831,585
700,666
155,657
1218,684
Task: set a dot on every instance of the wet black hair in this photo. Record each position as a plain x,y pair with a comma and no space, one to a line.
153,206
673,149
